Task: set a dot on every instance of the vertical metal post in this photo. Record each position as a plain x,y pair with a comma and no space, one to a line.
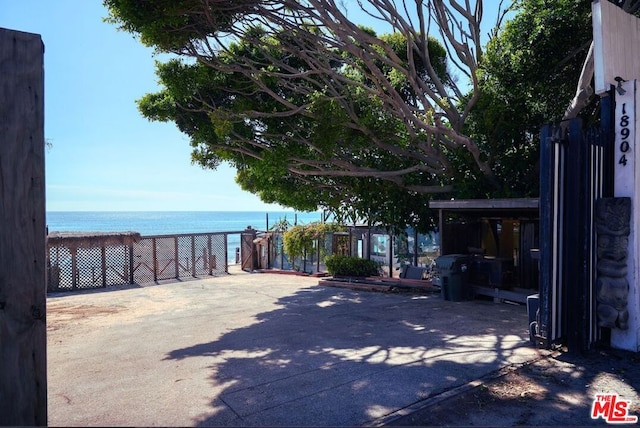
193,256
281,249
546,231
103,260
368,240
131,266
226,255
209,248
391,238
176,258
440,230
415,246
154,253
74,267
318,254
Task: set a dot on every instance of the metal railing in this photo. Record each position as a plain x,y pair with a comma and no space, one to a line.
103,263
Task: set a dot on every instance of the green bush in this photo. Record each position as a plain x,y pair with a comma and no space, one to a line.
351,266
299,241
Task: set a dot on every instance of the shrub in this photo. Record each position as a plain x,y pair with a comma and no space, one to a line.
351,266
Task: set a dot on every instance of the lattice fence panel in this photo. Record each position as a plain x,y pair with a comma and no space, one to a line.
185,256
202,255
116,265
219,254
143,264
88,268
60,276
154,258
165,258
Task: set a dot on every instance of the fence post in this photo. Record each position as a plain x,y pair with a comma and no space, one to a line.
154,254
546,232
131,266
176,257
23,363
318,254
193,256
281,240
390,245
226,255
209,248
575,282
103,259
74,267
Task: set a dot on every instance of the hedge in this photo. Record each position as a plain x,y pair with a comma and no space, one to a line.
338,265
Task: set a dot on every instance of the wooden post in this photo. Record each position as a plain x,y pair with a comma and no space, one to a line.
23,341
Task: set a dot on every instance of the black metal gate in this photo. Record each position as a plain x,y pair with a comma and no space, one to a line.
576,169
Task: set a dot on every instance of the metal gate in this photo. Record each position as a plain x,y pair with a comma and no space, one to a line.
576,169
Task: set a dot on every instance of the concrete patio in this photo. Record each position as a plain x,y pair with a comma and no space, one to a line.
267,350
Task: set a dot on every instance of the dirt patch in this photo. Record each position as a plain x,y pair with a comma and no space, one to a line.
59,316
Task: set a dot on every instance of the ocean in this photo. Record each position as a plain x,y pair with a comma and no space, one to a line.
174,222
170,222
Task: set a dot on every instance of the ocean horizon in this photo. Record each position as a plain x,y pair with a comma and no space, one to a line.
172,222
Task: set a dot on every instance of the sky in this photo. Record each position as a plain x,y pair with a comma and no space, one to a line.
104,155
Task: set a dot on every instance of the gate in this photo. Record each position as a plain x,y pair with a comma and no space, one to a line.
576,169
249,260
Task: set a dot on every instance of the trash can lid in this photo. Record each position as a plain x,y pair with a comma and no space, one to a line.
451,261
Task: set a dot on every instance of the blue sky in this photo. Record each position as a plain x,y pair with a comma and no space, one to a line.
105,156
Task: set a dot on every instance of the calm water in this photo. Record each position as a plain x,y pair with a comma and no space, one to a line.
169,222
173,222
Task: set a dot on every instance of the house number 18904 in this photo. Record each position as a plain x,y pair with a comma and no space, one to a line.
624,133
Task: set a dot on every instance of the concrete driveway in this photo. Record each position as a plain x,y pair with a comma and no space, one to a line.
266,350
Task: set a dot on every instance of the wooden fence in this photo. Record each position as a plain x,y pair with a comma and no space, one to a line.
105,260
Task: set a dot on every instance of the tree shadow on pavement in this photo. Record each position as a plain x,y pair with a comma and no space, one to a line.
330,356
555,391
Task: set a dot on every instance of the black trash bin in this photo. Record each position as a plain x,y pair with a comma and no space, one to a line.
454,284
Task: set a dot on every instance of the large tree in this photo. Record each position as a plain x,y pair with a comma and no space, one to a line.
293,56
528,77
312,107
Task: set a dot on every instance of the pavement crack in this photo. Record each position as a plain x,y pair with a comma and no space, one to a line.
230,408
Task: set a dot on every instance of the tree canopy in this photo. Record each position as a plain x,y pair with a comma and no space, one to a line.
295,58
315,109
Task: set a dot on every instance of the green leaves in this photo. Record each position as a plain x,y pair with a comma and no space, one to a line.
170,25
338,265
529,76
300,241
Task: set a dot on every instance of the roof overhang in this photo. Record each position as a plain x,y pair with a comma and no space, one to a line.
490,207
